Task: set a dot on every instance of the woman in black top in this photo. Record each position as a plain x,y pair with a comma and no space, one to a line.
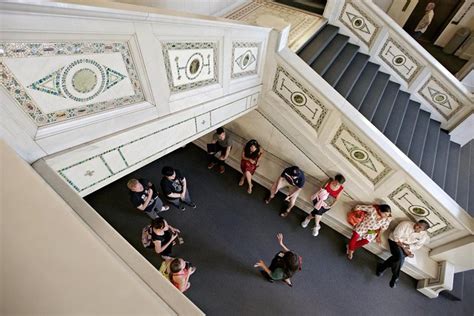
163,236
251,154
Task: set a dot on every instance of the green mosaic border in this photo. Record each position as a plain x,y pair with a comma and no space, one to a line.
380,176
168,46
26,103
324,110
243,45
118,148
391,196
410,78
446,91
355,32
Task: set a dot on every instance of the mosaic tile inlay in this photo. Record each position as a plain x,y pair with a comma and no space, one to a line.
190,65
82,80
359,23
416,207
397,58
436,94
299,98
244,59
349,145
302,22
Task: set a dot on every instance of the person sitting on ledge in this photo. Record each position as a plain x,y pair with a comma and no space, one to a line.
323,200
403,241
251,154
283,266
376,221
293,177
144,197
175,188
223,145
163,237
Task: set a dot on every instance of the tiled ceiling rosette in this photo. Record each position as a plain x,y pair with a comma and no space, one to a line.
190,65
54,82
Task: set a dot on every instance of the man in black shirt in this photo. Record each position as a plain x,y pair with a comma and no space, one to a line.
175,188
144,197
293,177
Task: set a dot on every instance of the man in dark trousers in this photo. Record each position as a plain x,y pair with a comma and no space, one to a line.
404,240
175,188
144,197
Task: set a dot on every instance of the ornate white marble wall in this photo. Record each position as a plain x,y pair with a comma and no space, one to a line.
67,84
429,83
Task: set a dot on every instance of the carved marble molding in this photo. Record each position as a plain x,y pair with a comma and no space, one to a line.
301,22
299,98
59,81
190,65
351,147
436,94
359,23
244,59
410,202
396,57
88,172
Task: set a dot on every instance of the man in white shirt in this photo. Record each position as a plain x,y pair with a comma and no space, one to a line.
425,21
403,241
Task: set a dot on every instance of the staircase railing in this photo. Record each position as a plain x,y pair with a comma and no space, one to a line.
408,63
378,168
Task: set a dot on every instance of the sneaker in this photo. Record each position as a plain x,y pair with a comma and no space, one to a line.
305,223
211,165
315,231
378,271
221,169
182,208
192,205
164,208
393,283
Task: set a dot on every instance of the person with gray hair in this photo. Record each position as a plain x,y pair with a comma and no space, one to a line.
425,21
403,241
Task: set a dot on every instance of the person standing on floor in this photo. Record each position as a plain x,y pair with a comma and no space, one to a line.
403,241
223,145
144,197
175,188
283,266
323,200
292,177
376,221
425,21
251,155
163,237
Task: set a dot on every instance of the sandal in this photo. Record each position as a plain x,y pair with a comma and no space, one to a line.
285,214
249,190
241,183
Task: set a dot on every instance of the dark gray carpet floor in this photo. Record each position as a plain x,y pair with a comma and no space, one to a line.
230,230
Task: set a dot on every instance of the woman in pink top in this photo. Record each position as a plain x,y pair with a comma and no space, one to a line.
376,220
323,200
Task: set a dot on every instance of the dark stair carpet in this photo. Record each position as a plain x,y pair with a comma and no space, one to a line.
390,109
230,230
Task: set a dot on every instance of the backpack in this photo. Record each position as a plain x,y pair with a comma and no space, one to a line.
355,217
164,269
147,240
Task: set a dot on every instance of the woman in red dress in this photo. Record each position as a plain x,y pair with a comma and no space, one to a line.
251,154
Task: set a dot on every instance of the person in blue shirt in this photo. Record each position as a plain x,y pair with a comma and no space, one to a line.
292,177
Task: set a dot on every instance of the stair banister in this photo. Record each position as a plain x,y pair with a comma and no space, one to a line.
430,70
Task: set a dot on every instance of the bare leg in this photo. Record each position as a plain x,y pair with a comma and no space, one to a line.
275,188
317,220
242,179
248,176
291,202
